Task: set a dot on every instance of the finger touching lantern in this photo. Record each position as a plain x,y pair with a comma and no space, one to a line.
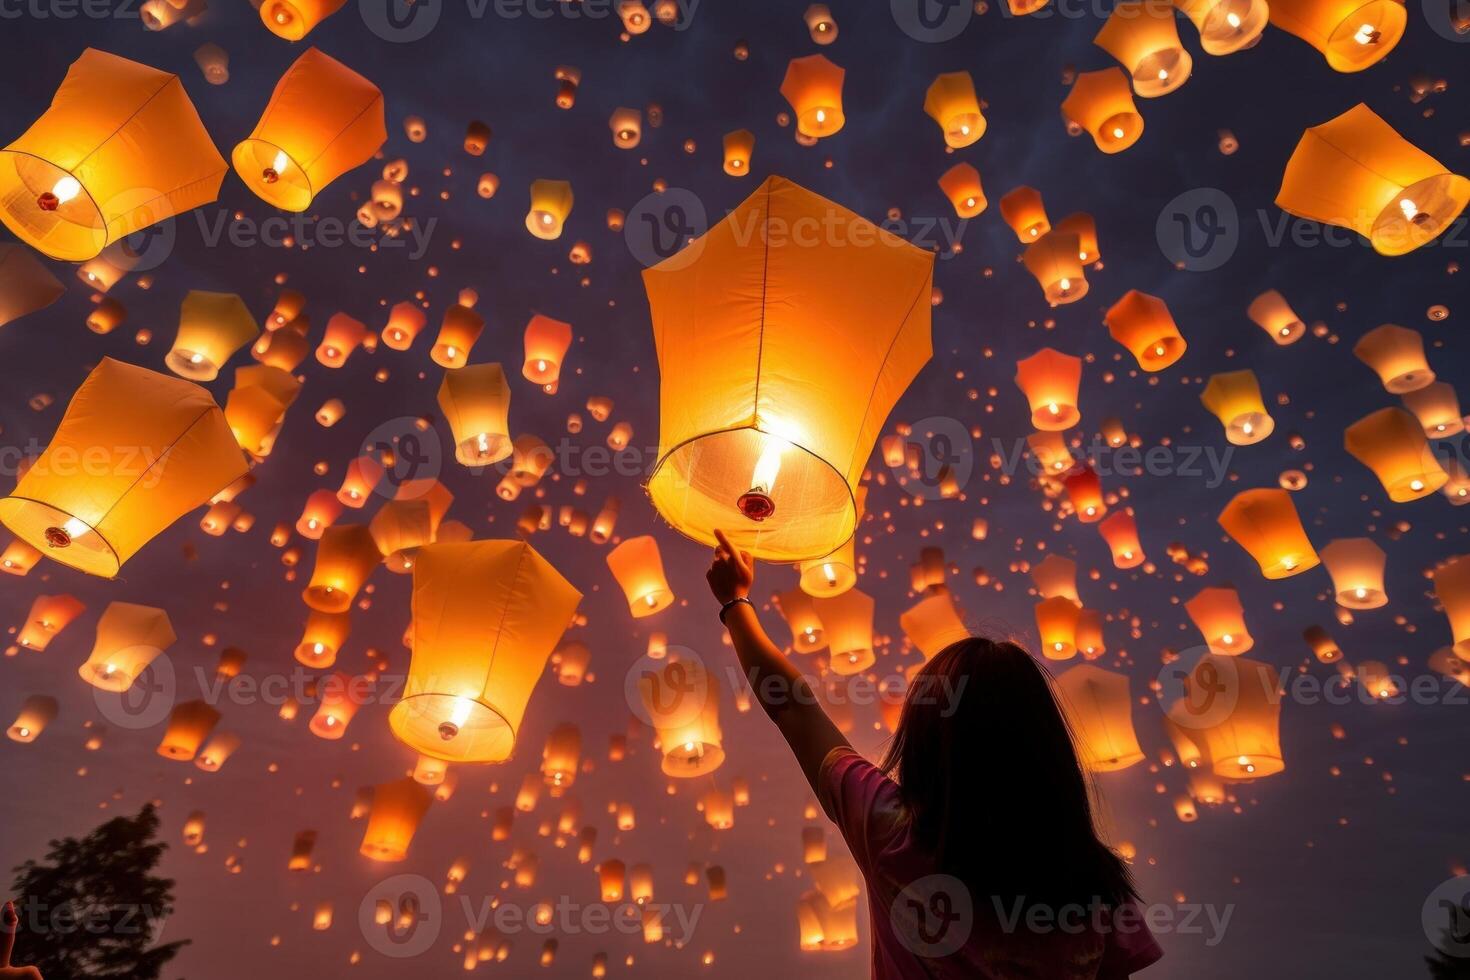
120,148
805,368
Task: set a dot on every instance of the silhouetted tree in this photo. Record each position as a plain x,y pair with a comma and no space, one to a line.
93,907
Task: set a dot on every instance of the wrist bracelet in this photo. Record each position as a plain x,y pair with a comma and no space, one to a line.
734,602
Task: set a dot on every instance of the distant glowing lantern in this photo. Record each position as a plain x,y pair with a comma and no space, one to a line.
1120,531
546,343
847,622
1351,34
458,331
1220,617
933,624
1265,523
1100,711
1391,443
1272,313
36,712
1050,380
627,127
639,569
129,638
813,88
1437,408
343,336
48,616
345,557
1143,324
682,701
1024,211
820,24
807,635
1056,625
1143,37
1396,354
1084,490
551,204
952,103
1356,566
475,401
961,184
1234,397
212,326
189,724
323,638
405,321
739,148
1101,104
398,807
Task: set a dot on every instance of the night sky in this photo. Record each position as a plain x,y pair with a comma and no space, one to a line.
1325,868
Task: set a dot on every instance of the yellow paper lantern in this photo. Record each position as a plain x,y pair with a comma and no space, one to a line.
1272,313
847,621
639,569
806,365
129,638
189,724
682,701
1143,324
323,637
345,557
1220,618
1396,354
458,331
398,807
952,103
807,635
1264,522
1050,379
933,624
1391,443
1246,742
486,616
1055,261
48,616
1142,35
1101,104
1226,26
340,696
813,88
551,205
820,24
1100,712
1356,566
212,326
1437,408
1234,397
1351,34
155,448
475,401
18,558
120,148
1356,172
217,751
405,321
323,120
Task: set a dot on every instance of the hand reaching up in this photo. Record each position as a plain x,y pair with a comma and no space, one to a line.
732,572
7,943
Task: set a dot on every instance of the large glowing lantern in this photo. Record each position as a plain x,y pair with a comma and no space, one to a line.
323,120
475,401
25,284
1226,26
397,809
551,205
154,448
1265,523
1452,589
1351,34
1355,171
933,624
1050,379
1101,104
639,569
1142,35
1221,620
1396,355
951,102
682,701
1143,324
36,712
813,87
129,638
779,363
1100,712
120,148
1272,313
1356,566
212,326
1235,399
546,344
345,556
848,623
1391,443
1245,741
294,19
486,616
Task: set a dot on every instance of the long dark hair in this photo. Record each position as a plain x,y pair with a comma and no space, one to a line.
986,766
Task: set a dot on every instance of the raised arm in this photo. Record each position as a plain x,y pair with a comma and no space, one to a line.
779,687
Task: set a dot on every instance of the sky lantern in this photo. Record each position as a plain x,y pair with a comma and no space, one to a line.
551,204
1081,224
189,724
344,335
1391,443
546,343
961,184
26,285
285,348
1090,641
813,88
1396,354
362,476
1376,680
807,635
933,624
1055,260
212,326
1437,408
1024,211
428,771
1049,379
1084,490
1143,324
130,423
486,616
1324,647
1051,452
635,17
1142,35
398,807
217,751
339,698
120,148
1356,172
611,879
719,808
475,401
568,79
345,556
1264,522
1234,397
294,19
1100,711
320,512
49,615
1101,104
572,661
847,620
323,120
807,366
1352,35
477,137
405,321
1226,26
1056,576
739,148
256,406
409,521
1246,744
820,24
1220,617
682,701
952,103
129,638
838,879
639,569
213,62
458,331
1356,566
18,558
322,639
1272,313
36,712
1056,625
560,757
627,127
1452,589
1120,531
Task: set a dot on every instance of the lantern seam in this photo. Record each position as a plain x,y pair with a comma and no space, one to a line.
760,349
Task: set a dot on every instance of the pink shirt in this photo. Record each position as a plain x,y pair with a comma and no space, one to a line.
925,925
